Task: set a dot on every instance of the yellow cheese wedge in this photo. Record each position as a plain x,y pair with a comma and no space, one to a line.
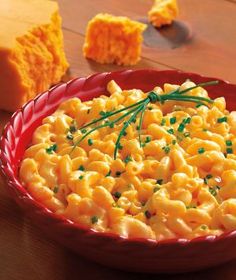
31,50
111,39
163,12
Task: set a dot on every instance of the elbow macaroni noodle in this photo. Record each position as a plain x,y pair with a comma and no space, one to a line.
179,184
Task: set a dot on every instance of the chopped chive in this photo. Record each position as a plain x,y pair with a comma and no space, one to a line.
104,114
124,133
213,191
156,189
199,105
81,168
94,219
163,121
69,136
186,134
120,147
56,189
166,149
81,177
84,130
174,142
108,174
51,149
148,139
181,127
170,131
190,206
148,214
90,142
72,129
127,159
187,120
201,150
229,151
173,120
228,143
209,176
179,138
143,145
221,120
117,195
111,125
203,227
159,181
137,127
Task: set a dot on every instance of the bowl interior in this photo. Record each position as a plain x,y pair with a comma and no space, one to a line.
17,136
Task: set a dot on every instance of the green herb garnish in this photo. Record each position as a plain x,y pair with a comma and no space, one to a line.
191,206
203,227
221,120
94,219
187,120
186,134
148,139
51,149
81,177
173,120
139,108
229,151
117,195
156,189
163,121
120,147
228,143
171,131
214,190
181,127
69,136
201,150
127,159
108,174
90,142
81,168
159,181
174,142
166,149
56,189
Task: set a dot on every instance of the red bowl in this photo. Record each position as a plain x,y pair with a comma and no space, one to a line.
172,256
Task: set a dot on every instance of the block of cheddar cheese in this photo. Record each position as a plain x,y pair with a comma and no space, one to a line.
113,39
31,50
163,12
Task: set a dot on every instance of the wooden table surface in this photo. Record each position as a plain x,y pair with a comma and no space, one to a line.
203,40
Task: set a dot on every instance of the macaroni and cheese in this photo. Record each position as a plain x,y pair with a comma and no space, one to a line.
179,183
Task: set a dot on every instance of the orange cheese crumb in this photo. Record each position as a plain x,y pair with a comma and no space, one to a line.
111,39
31,50
163,12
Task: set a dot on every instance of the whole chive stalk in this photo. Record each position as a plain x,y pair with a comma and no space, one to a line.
139,108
